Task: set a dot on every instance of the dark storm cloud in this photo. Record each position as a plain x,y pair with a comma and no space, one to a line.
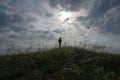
102,6
105,14
67,19
3,19
43,35
14,24
46,37
58,31
17,16
12,19
13,36
73,5
42,32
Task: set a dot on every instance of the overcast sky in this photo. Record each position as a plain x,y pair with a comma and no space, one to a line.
36,22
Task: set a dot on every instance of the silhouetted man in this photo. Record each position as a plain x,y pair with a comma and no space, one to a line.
60,41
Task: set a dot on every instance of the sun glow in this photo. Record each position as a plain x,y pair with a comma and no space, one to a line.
64,15
69,17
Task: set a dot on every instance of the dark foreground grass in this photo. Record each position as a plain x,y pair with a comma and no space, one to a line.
66,63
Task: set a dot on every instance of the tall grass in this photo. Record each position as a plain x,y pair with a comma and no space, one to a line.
66,63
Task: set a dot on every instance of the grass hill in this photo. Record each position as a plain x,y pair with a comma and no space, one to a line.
67,63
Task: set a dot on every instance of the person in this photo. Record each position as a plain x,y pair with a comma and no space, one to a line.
60,41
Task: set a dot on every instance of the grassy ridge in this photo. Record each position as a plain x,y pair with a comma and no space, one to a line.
67,63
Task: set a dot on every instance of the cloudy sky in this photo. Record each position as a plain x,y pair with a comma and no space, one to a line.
37,22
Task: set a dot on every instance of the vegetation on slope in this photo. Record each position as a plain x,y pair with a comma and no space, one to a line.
67,63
